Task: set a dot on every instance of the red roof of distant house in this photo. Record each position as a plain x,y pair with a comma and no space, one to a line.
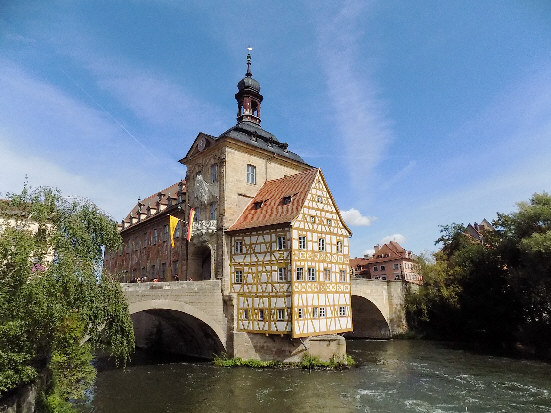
268,207
354,262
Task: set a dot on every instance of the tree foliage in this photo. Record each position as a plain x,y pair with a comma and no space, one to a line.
496,290
56,307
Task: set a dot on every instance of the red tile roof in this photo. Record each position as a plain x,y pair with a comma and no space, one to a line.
273,211
151,201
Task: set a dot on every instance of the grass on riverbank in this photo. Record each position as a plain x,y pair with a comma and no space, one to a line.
308,362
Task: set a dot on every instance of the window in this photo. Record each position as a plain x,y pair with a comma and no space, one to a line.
382,267
322,311
329,222
397,277
311,274
145,239
300,274
312,218
165,233
212,213
251,174
327,273
281,244
245,314
238,247
197,214
300,313
342,311
315,312
342,276
320,199
339,246
321,244
238,276
155,236
260,315
213,173
163,271
396,266
302,243
153,272
375,268
282,274
286,200
177,230
257,205
280,314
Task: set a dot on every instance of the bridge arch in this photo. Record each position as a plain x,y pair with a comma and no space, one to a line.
185,328
368,320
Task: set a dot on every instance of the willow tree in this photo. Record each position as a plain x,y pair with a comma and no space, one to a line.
56,307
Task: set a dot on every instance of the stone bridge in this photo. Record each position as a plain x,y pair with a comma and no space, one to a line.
190,316
378,308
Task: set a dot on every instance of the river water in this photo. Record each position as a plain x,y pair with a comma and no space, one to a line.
390,376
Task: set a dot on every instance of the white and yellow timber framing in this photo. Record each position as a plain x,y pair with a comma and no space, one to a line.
299,307
319,219
261,293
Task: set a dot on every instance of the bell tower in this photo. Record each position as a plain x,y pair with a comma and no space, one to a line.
248,97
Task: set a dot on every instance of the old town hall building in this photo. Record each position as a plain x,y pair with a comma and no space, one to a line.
265,225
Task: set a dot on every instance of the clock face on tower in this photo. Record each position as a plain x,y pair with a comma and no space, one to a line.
201,144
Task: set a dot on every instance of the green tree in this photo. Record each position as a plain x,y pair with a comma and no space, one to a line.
526,251
56,308
497,290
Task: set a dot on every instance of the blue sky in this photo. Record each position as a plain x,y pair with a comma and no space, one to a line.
419,114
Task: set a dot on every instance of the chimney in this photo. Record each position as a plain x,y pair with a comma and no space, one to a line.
376,247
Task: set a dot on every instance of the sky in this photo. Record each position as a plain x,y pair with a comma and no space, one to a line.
419,114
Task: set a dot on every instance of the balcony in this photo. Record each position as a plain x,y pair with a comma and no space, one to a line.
204,227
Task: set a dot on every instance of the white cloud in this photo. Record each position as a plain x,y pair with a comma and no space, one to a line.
361,122
368,252
354,217
399,238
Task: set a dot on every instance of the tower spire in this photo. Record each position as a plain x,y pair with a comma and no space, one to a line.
249,74
248,96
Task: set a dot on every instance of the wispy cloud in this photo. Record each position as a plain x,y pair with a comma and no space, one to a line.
353,217
362,125
54,139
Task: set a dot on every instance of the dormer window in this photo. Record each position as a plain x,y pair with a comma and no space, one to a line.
287,200
258,204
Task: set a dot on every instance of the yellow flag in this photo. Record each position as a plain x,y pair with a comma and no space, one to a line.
173,223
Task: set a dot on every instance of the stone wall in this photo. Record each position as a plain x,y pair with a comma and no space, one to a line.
285,348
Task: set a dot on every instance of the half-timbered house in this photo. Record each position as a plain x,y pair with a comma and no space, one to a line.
289,260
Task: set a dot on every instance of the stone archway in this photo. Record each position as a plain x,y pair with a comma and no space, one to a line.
367,320
167,327
200,262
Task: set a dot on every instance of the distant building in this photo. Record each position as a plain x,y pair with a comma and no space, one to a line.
358,267
389,262
476,231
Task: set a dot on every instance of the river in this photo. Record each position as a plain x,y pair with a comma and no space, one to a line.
390,376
